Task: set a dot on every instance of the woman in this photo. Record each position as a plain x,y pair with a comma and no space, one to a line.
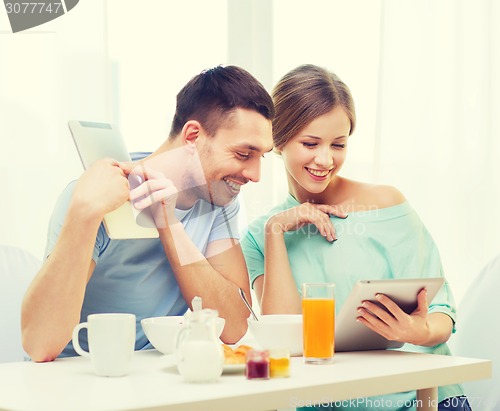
332,229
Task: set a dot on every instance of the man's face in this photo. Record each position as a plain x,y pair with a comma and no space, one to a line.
231,158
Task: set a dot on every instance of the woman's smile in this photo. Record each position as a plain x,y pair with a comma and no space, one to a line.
319,175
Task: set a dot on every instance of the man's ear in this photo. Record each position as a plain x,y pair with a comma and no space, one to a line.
190,132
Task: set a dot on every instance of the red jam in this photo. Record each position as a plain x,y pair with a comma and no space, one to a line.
257,365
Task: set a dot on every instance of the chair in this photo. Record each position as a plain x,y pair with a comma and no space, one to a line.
17,269
478,334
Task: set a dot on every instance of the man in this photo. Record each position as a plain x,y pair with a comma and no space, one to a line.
222,126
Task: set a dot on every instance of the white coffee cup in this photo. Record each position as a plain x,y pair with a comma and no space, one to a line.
111,339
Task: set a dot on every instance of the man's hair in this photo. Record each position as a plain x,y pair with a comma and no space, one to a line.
211,96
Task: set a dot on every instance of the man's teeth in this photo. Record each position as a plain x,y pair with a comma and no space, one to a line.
318,173
233,185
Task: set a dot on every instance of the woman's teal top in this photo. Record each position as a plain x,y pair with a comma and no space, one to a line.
372,244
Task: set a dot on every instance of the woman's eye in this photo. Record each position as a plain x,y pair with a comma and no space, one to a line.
339,145
305,144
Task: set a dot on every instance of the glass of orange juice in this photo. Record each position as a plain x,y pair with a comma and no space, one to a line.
318,312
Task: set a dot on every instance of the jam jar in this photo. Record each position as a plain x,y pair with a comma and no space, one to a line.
257,365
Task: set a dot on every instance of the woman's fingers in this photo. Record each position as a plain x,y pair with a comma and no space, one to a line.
308,213
327,229
333,210
423,304
387,319
327,211
324,224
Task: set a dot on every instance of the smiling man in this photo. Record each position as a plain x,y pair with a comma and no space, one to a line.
220,131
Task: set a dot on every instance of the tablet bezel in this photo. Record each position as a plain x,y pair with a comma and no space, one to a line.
95,141
350,335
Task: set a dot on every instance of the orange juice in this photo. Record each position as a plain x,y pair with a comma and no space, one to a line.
319,325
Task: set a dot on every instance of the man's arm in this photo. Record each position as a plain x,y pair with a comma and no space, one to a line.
215,278
53,302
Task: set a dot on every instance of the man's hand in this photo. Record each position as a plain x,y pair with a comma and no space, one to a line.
102,188
155,191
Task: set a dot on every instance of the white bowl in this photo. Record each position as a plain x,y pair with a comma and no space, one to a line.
162,331
278,331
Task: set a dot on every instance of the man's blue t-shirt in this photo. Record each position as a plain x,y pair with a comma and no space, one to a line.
135,276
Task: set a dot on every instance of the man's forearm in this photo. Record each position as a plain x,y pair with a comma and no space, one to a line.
53,302
196,276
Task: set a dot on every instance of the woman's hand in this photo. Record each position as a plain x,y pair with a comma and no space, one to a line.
394,324
303,214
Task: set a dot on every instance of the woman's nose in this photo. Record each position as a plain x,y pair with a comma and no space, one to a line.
324,158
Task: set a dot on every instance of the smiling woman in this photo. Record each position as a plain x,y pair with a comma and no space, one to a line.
318,151
393,243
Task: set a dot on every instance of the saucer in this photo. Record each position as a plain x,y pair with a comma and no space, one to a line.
233,368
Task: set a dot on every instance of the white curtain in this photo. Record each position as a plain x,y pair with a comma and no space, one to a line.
48,75
438,123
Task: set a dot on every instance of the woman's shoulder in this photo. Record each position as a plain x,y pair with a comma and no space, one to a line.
374,195
385,195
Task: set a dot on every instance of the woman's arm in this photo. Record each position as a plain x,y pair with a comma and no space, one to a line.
276,289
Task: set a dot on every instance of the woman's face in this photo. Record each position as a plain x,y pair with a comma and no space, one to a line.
314,156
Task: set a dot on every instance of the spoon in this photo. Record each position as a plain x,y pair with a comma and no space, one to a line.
196,303
244,298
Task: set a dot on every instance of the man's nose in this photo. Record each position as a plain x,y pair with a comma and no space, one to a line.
252,171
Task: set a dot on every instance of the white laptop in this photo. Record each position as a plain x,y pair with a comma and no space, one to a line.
350,335
95,141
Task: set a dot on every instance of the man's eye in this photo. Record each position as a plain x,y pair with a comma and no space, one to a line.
243,156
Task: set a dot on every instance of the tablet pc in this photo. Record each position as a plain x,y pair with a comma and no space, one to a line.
350,335
93,142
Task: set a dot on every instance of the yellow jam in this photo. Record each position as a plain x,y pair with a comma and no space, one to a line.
279,367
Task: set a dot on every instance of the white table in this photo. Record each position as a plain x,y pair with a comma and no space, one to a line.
154,383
